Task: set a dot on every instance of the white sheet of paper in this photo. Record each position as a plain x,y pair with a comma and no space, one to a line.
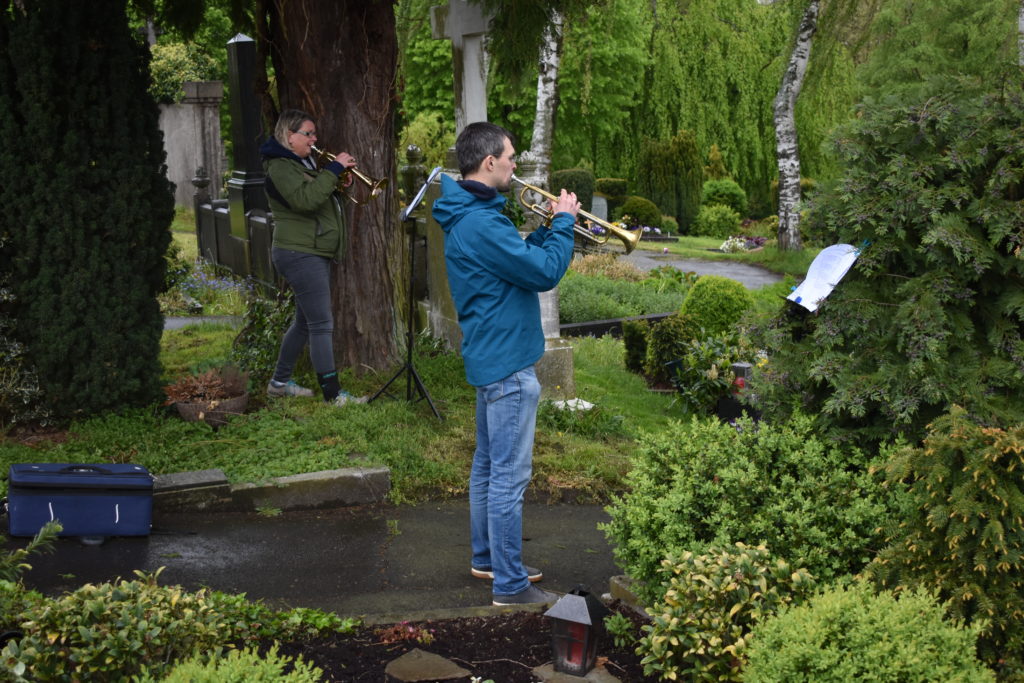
827,269
419,195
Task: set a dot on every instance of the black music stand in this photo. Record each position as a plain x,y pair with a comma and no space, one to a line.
412,377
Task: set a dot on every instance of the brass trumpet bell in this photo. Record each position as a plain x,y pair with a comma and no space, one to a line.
629,238
375,187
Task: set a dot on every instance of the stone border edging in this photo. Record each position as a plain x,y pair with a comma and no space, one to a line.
209,490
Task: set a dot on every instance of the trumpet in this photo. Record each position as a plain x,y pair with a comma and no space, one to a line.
629,238
375,186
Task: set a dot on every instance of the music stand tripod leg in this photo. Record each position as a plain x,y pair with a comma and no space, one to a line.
413,376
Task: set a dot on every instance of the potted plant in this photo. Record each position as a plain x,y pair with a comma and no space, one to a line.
210,396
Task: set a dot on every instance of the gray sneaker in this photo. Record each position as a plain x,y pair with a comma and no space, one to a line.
532,573
289,388
531,596
345,398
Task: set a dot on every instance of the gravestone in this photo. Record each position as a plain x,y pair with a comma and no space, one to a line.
555,369
245,187
191,131
465,25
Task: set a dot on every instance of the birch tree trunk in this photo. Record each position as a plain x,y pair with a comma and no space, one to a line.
337,59
786,145
547,98
1020,34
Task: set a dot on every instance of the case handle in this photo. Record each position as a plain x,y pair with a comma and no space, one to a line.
85,468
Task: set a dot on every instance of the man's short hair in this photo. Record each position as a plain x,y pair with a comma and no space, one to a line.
290,121
476,142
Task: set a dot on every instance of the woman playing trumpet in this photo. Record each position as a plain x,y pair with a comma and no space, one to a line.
309,232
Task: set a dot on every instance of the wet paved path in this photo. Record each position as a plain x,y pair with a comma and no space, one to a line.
376,560
752,277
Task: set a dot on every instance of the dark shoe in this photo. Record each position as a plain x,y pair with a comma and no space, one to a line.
532,573
531,596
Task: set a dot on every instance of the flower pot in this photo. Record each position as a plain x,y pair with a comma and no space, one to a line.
214,413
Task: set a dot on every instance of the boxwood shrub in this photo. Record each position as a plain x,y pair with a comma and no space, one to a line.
725,191
716,220
612,187
852,634
716,303
702,482
641,211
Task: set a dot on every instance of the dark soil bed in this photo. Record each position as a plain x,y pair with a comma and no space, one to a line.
505,648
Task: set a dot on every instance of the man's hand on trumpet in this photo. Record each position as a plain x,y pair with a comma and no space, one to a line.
566,202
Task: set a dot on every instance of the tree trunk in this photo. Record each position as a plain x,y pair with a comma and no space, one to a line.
1020,34
787,148
547,96
337,59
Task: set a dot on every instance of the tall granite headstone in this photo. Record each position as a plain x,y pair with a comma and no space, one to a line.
245,187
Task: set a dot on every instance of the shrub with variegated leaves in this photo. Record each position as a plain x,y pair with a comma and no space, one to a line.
700,628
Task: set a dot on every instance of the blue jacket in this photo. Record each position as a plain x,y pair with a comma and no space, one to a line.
495,275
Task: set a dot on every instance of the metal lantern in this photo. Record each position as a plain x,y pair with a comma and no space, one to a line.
577,624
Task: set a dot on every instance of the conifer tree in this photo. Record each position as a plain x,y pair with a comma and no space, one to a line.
670,174
932,312
715,170
87,204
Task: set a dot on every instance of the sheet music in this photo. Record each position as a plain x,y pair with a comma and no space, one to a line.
419,195
827,269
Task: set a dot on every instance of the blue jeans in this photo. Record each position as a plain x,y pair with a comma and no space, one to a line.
310,279
506,416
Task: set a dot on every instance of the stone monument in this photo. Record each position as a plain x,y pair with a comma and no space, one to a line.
465,25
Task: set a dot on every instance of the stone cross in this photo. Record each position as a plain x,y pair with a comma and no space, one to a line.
465,25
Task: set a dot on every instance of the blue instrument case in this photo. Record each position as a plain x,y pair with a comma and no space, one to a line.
88,500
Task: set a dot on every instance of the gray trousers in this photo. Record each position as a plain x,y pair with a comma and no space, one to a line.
310,279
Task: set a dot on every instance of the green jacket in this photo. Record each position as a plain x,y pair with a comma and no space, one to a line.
308,213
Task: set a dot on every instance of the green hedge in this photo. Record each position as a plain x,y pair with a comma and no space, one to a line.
578,180
851,634
702,482
716,304
612,187
641,211
725,191
716,220
583,298
962,530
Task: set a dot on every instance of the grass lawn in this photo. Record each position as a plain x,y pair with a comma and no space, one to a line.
587,453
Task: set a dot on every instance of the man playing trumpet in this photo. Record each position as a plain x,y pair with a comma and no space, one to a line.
495,277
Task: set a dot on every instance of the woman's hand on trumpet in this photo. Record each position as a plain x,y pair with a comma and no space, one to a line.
566,202
348,161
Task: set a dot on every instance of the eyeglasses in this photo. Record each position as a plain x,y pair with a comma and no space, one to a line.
307,133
